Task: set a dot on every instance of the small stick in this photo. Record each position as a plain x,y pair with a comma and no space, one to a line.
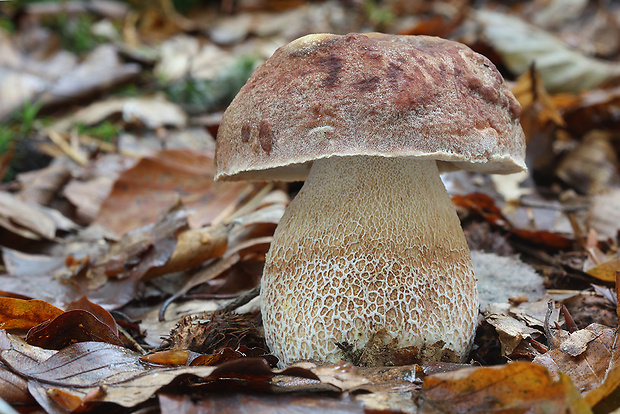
550,338
242,299
132,341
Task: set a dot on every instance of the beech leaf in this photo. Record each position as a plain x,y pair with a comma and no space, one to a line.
561,68
24,314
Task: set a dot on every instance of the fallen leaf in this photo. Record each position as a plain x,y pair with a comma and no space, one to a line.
511,331
169,357
24,314
143,249
604,213
40,187
595,370
83,367
153,113
237,403
591,167
158,183
38,276
71,327
101,69
100,313
516,387
605,271
561,68
25,219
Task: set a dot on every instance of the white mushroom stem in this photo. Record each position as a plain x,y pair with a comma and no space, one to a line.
371,246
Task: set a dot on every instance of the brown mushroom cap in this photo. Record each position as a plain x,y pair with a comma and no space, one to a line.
375,94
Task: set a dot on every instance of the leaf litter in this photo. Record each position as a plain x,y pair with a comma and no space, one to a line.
130,279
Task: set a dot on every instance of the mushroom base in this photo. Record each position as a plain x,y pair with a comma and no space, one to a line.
370,259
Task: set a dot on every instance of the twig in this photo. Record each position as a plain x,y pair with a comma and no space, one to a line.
132,341
242,299
548,334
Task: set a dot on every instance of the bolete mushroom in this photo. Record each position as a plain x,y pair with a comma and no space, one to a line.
370,251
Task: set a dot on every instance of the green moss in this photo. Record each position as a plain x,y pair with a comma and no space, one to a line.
205,95
105,131
74,32
7,25
15,134
379,16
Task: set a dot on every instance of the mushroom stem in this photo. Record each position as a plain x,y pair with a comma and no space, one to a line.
371,247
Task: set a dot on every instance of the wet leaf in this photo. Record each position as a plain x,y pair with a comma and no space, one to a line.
170,357
100,313
71,327
24,314
84,367
13,388
37,276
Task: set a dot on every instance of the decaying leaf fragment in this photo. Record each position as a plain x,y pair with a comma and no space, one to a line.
511,331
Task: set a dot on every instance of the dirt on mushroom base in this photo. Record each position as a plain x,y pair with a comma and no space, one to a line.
381,350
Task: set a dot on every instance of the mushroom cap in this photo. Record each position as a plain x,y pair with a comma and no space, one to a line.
374,94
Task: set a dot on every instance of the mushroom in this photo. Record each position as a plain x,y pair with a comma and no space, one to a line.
370,254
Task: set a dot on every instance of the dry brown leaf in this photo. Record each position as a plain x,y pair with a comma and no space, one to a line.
158,183
24,314
101,69
592,166
595,370
511,331
28,220
84,367
536,102
605,271
516,387
43,277
13,388
43,185
193,248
